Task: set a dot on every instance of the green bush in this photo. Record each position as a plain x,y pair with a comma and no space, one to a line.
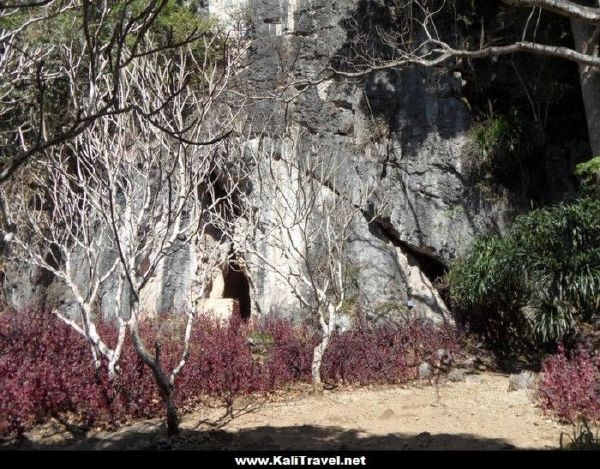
497,150
176,23
589,176
536,282
503,131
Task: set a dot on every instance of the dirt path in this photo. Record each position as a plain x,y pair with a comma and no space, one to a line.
476,414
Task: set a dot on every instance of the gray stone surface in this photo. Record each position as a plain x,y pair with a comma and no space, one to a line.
522,380
425,371
403,131
456,375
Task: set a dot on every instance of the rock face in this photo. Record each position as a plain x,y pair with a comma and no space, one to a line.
403,131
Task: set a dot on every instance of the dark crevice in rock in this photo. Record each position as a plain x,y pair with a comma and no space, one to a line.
389,159
429,264
344,104
301,33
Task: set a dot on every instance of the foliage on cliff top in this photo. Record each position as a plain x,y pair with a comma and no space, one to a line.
174,24
495,132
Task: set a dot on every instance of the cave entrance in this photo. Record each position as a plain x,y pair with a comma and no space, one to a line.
238,288
433,269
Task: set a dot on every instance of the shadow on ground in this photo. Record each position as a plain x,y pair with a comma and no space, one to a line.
304,437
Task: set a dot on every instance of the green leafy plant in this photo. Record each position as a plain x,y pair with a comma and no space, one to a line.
453,212
113,30
497,151
495,132
174,24
261,338
538,280
583,438
589,176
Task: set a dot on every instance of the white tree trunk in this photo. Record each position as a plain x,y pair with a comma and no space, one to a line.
316,363
166,388
319,351
587,42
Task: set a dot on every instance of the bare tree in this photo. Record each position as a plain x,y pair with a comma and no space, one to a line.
418,39
296,222
62,66
127,191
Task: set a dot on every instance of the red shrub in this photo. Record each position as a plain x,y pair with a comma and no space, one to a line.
46,368
570,387
289,354
220,364
387,354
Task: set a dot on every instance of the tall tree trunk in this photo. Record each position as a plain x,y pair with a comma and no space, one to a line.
316,362
167,391
586,41
172,417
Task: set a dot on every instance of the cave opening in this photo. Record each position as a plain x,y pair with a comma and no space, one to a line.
433,268
237,287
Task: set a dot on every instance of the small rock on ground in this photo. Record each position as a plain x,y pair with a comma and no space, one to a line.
523,380
455,375
424,371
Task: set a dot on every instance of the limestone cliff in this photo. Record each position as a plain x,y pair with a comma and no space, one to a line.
406,131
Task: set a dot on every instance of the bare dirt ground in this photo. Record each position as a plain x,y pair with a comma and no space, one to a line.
478,413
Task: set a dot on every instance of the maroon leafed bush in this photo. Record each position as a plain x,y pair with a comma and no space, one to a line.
289,352
46,368
570,387
220,364
387,354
